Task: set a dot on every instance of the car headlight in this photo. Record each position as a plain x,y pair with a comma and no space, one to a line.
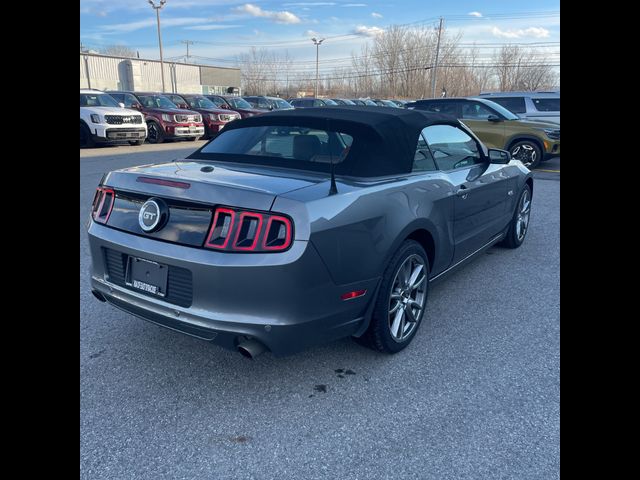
167,118
213,117
198,118
552,133
95,118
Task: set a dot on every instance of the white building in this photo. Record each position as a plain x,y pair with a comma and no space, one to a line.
106,72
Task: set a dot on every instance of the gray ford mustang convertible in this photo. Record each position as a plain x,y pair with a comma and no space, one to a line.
303,226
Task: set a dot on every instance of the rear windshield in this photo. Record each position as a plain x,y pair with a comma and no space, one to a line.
301,148
547,104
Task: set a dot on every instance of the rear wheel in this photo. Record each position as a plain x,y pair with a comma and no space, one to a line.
155,133
401,300
520,223
528,152
85,137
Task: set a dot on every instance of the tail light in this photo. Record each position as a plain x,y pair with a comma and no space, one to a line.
102,204
249,231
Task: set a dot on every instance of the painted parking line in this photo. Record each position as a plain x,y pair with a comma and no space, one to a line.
549,171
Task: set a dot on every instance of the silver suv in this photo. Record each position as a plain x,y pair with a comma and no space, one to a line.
535,106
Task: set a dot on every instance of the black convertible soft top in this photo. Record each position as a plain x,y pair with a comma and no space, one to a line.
385,138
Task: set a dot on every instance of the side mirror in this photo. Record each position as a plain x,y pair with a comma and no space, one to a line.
137,106
494,118
270,107
183,105
121,104
499,156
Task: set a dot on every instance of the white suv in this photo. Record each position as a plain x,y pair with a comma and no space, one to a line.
103,120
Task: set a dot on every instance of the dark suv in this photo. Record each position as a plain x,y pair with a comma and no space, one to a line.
269,103
527,141
308,102
164,119
214,118
237,104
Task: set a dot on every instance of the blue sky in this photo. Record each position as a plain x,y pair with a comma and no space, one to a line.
222,29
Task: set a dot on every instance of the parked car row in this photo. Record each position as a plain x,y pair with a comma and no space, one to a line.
116,116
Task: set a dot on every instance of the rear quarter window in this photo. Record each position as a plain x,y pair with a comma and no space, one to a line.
547,104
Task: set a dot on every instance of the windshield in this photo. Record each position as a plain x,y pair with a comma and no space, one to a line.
282,104
301,148
238,102
156,101
328,101
370,102
501,110
100,100
200,102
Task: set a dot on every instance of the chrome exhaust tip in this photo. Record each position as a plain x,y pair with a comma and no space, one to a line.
251,348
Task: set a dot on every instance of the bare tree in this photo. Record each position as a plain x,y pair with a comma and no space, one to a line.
119,51
519,69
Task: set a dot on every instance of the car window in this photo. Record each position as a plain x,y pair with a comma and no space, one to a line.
262,103
218,101
129,100
513,104
423,159
547,104
475,111
451,147
439,107
318,103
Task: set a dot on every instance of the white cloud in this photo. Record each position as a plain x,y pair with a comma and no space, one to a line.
368,31
309,4
311,33
475,14
213,27
278,17
354,5
376,15
166,22
535,32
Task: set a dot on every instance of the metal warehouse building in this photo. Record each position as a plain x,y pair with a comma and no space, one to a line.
107,72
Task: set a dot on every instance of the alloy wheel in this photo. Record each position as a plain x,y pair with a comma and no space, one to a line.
526,153
524,211
408,298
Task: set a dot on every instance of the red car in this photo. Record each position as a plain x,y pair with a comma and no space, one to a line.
237,104
164,119
214,118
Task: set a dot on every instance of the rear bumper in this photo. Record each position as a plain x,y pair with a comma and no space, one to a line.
287,301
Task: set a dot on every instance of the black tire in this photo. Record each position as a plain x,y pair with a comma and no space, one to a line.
528,152
515,237
155,133
85,137
378,336
135,142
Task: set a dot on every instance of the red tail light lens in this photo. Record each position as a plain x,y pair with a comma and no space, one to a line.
103,204
249,231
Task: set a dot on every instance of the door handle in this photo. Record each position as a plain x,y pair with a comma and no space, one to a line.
463,192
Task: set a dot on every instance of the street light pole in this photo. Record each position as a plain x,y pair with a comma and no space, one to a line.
157,8
317,43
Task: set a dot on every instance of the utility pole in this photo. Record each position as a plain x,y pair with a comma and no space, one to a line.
187,43
435,65
317,44
157,8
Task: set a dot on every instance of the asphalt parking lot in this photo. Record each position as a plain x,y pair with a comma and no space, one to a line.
476,395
